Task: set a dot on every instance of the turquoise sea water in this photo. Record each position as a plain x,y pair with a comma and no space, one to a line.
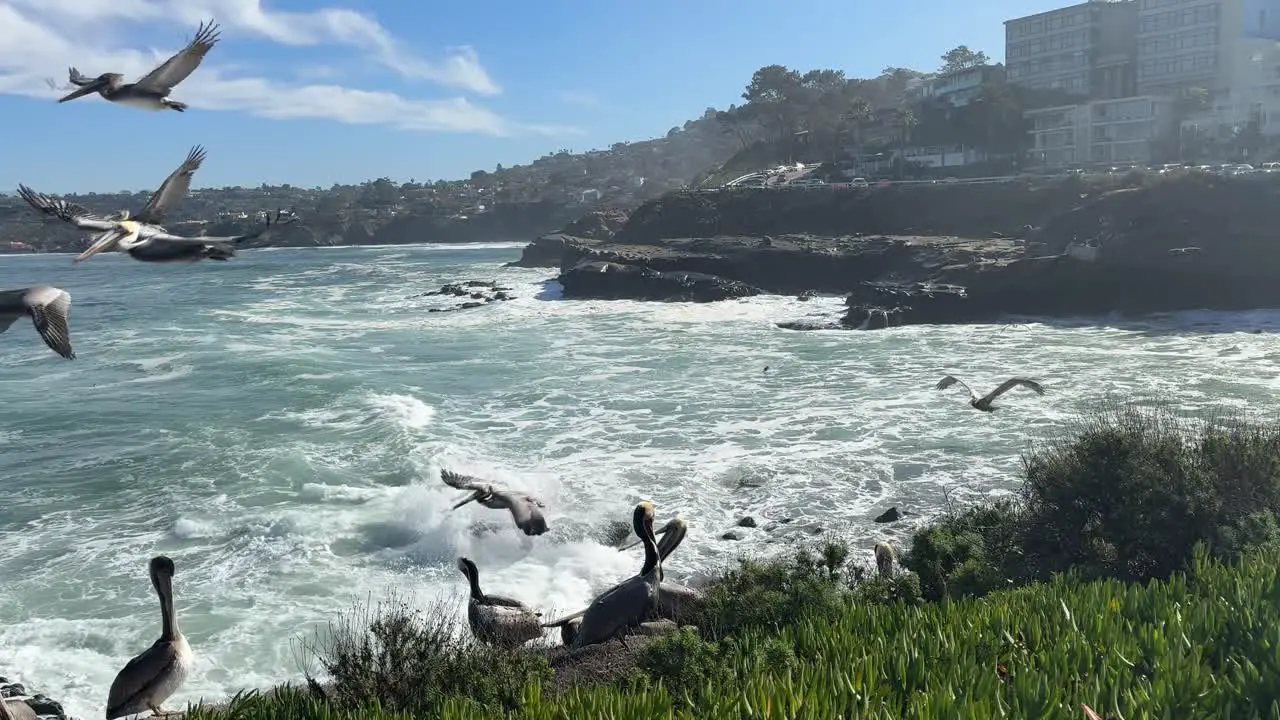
276,425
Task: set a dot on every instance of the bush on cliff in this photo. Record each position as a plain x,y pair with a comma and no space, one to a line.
1127,496
410,660
1199,644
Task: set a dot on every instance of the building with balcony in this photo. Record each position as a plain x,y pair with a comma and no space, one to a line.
959,88
1121,131
1087,49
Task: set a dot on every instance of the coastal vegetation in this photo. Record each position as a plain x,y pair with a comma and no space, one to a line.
1134,571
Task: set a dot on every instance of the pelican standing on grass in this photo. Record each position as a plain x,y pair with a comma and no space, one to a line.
525,509
151,92
984,403
141,234
48,308
497,620
677,603
156,674
627,604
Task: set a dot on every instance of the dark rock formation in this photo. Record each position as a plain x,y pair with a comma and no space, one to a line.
23,706
590,229
888,516
547,251
1197,242
613,281
478,293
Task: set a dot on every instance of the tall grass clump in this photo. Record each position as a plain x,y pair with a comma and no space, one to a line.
404,659
1127,495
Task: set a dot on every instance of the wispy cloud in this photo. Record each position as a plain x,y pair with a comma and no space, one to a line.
579,98
41,38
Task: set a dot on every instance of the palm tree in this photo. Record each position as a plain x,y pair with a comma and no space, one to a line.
905,121
855,116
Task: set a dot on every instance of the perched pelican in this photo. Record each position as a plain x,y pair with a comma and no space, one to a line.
984,403
48,308
524,508
141,235
626,604
884,559
153,676
152,91
495,619
677,603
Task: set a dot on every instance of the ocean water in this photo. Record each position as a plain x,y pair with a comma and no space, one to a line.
276,425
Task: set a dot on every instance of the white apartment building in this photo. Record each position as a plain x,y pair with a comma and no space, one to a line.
1120,131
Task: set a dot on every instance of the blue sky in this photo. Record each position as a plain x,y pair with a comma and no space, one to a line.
312,93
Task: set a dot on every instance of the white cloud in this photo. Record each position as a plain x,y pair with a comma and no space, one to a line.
41,38
579,98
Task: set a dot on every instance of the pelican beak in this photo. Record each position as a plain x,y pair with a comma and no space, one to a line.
105,241
473,496
83,90
634,543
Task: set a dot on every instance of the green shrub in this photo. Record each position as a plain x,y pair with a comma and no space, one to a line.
1135,490
971,552
408,660
776,592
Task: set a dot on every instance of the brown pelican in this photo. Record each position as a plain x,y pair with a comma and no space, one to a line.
153,676
495,619
141,235
152,91
884,559
984,403
627,604
524,508
677,603
48,308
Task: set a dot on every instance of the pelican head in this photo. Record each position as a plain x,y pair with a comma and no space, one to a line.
480,493
98,84
676,523
642,519
124,234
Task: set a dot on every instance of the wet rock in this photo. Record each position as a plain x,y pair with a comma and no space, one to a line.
657,627
22,706
731,535
807,295
602,280
476,292
888,516
810,325
747,522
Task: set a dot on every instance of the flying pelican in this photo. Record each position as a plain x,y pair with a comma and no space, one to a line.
153,676
677,603
984,403
48,308
524,508
151,92
495,619
884,559
141,235
626,604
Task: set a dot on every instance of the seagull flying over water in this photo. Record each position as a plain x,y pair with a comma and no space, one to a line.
48,308
984,403
525,509
151,92
141,234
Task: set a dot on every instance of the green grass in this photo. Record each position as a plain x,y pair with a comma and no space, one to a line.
1137,571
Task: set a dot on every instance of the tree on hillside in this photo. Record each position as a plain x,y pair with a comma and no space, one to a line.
904,121
856,115
774,97
962,58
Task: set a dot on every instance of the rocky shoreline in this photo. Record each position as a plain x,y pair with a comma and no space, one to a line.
1166,245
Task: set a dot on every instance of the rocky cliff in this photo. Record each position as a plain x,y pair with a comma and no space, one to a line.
959,253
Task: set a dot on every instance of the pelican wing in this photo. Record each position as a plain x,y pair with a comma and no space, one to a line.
65,211
138,678
950,380
565,619
176,69
460,481
172,190
1010,384
49,307
78,78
